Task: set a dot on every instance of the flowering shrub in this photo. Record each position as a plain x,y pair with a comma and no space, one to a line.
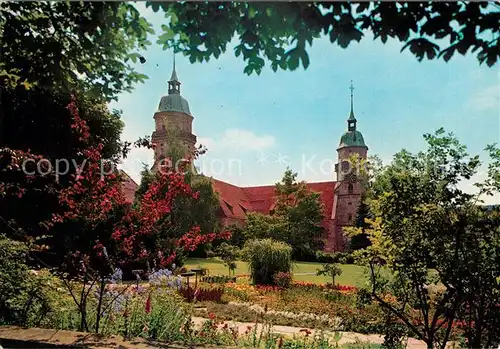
202,294
165,277
218,279
282,280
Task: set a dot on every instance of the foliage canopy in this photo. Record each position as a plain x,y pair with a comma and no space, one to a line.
280,32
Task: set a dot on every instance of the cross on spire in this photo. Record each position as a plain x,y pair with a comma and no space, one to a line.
352,97
351,121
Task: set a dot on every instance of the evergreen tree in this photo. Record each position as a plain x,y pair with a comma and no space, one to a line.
361,241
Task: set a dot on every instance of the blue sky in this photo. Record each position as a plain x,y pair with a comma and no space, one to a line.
256,126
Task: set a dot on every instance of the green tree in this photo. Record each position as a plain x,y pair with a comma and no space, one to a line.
330,270
61,46
361,241
280,32
421,220
295,218
302,212
229,255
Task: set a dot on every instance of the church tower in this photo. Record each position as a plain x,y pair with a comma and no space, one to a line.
348,189
173,123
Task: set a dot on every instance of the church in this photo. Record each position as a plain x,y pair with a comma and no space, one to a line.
340,199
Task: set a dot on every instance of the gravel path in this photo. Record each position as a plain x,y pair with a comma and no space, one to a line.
346,337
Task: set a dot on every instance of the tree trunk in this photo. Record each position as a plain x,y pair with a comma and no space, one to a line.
83,307
99,305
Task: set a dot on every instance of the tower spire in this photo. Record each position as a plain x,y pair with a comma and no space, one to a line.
174,85
351,121
351,116
173,77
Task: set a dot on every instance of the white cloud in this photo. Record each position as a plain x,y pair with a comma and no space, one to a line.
240,140
207,142
135,161
486,99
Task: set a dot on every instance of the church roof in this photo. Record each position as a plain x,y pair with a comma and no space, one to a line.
236,201
129,186
174,102
352,139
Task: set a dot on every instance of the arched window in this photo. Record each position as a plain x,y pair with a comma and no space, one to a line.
349,217
350,189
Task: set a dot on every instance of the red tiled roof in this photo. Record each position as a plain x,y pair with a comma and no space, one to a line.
234,200
129,186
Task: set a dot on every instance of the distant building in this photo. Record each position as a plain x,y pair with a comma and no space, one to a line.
340,198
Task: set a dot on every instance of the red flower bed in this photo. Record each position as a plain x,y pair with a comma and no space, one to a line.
202,294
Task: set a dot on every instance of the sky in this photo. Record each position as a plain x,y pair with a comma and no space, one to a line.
256,126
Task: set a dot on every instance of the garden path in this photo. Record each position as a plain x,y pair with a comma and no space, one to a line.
347,337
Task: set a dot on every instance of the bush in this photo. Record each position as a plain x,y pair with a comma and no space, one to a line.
218,279
202,294
266,258
334,257
23,298
283,280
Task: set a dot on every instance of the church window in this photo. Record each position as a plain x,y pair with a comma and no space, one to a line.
349,217
350,189
349,203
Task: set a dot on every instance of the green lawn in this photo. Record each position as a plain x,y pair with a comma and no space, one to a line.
351,274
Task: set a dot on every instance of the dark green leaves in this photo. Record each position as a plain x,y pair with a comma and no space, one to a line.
77,45
277,32
421,48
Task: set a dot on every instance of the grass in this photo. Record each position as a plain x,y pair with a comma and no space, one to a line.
351,274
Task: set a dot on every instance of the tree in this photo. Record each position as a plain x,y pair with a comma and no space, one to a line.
302,212
229,255
295,218
421,220
280,32
38,122
186,210
115,233
62,46
331,270
361,241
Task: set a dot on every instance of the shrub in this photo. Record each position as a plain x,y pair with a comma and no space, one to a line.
218,279
283,280
266,258
335,257
202,294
